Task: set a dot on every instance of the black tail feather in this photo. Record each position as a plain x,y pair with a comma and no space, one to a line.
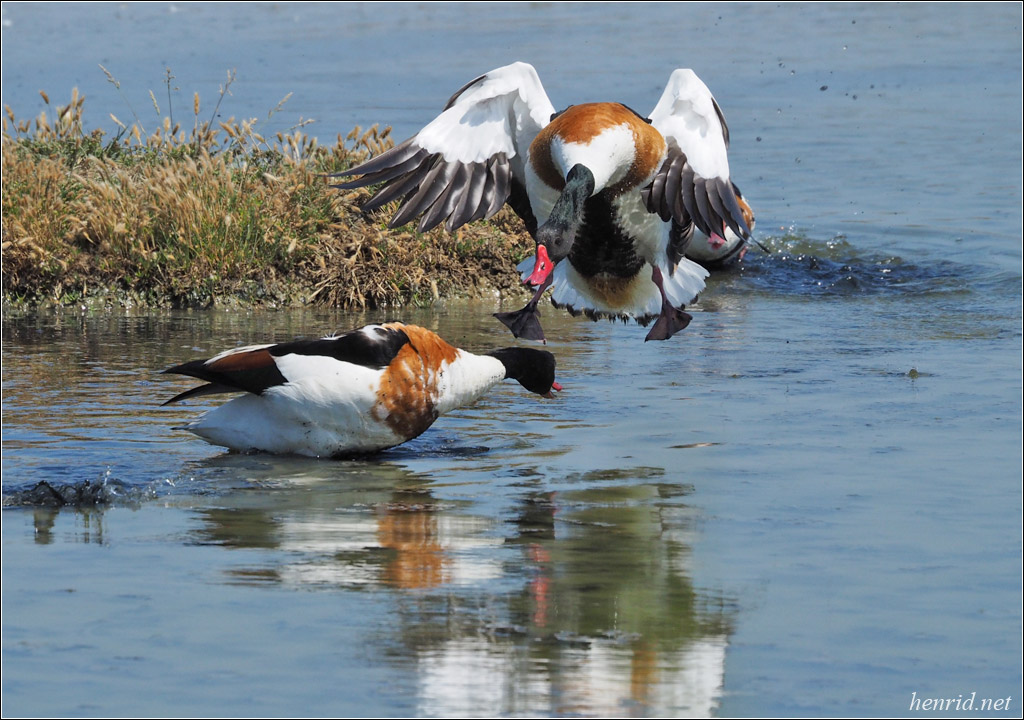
209,389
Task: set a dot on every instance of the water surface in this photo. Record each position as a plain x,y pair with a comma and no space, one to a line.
806,504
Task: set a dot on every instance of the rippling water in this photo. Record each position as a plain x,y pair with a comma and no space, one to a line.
808,503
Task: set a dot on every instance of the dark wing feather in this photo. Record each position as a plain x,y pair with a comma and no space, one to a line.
445,204
399,170
469,201
705,218
672,186
434,189
399,187
386,160
654,197
679,238
721,119
208,389
709,203
729,195
520,203
433,185
458,93
501,173
459,167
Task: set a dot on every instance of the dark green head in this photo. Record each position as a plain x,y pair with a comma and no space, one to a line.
533,369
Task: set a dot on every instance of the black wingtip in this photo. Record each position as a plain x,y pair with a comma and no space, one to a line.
208,389
184,396
192,368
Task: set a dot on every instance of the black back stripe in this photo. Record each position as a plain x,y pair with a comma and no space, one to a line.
373,350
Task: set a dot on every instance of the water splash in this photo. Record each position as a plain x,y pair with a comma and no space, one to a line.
103,491
796,264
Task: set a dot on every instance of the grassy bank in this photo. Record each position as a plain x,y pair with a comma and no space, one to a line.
195,213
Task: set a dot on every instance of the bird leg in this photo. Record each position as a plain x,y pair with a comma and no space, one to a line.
525,323
672,319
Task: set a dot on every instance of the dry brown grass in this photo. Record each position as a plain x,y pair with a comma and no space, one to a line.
216,213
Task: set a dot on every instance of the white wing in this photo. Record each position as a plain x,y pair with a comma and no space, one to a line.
462,166
693,184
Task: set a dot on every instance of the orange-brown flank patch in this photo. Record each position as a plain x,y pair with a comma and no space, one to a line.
408,388
581,124
748,214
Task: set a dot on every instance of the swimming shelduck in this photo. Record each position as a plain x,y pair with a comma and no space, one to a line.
367,390
615,194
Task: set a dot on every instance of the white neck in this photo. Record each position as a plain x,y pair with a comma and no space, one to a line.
609,155
466,379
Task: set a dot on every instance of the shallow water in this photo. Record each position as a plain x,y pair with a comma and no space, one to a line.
806,504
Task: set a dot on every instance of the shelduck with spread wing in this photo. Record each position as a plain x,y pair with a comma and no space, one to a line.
614,200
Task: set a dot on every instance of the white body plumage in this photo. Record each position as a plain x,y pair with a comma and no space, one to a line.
361,392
